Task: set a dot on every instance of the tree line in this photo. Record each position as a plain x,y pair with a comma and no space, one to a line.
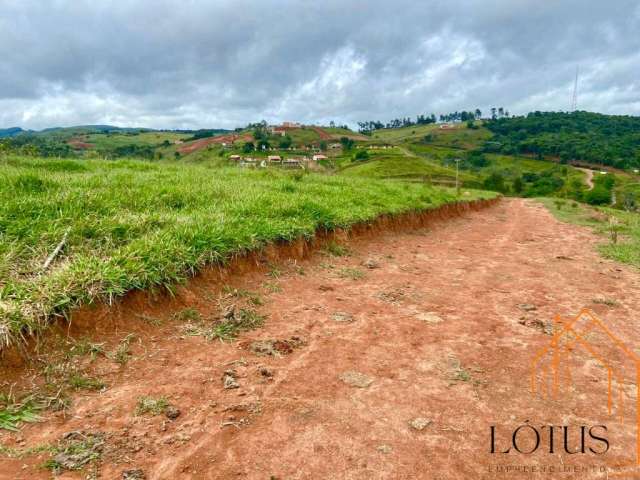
369,126
612,140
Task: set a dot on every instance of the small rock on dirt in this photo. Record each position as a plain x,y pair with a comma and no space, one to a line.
229,380
370,263
429,317
133,474
265,372
419,423
172,412
356,379
342,317
527,307
276,348
384,449
544,327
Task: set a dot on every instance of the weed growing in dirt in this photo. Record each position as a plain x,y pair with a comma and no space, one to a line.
85,347
252,297
352,273
188,314
153,321
243,320
76,450
274,272
151,405
13,413
11,452
458,373
272,287
337,250
229,327
122,352
80,382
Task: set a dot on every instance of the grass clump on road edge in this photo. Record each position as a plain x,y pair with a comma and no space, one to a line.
136,224
13,414
622,229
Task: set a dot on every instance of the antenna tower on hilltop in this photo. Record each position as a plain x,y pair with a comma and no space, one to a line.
574,98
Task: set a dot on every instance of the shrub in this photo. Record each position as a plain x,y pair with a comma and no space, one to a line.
599,195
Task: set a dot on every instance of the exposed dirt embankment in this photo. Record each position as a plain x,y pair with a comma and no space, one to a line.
106,318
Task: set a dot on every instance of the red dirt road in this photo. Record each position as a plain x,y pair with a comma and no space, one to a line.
403,367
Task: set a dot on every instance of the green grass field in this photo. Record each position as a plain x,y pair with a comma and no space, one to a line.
400,166
118,139
620,229
137,225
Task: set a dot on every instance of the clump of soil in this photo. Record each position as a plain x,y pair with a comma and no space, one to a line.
371,264
527,307
342,317
420,423
276,348
536,323
429,317
133,474
356,379
229,380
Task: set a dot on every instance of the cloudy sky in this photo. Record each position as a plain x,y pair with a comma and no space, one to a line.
219,63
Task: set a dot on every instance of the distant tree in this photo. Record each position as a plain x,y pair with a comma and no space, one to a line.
323,145
347,143
361,155
248,147
477,159
176,155
495,182
262,144
332,124
478,113
518,185
493,113
285,142
598,195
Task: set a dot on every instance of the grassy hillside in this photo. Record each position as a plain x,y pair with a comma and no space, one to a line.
401,165
591,137
107,141
133,224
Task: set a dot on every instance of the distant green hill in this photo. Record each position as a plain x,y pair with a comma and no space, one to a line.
10,132
612,140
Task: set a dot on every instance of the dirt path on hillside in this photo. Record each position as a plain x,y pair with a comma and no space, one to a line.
392,363
589,178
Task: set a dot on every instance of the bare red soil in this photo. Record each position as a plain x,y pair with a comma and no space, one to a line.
79,144
322,133
196,145
389,363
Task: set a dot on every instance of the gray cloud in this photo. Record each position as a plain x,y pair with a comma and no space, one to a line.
188,64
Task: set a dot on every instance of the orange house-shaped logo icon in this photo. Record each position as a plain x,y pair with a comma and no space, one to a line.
585,342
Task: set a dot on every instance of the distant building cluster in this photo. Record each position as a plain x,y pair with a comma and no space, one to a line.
282,129
277,160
